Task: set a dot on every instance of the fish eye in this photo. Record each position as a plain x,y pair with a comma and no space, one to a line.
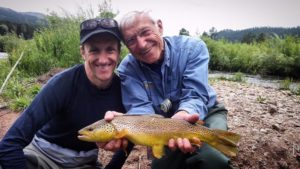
90,129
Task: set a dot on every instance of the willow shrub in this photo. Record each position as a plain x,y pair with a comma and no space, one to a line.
54,46
280,57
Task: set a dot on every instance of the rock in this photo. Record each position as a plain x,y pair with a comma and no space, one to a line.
298,157
3,105
275,127
282,164
265,131
272,109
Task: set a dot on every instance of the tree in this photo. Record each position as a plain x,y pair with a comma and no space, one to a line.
212,32
205,34
106,11
262,37
3,29
249,38
184,32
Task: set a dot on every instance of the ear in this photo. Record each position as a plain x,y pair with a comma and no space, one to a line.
82,52
160,27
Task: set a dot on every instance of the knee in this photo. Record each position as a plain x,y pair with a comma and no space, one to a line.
208,158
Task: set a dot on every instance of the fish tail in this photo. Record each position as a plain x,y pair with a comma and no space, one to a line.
226,142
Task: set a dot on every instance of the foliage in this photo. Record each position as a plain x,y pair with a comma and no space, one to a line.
106,10
285,84
3,29
10,41
184,32
275,56
256,34
124,51
297,90
22,24
20,92
238,77
261,99
56,45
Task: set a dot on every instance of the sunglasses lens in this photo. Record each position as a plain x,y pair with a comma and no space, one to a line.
90,24
108,23
93,23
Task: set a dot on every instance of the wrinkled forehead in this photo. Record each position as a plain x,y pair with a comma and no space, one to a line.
137,25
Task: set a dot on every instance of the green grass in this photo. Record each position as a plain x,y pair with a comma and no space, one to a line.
285,84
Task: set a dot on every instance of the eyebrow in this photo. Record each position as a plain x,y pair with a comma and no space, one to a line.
137,33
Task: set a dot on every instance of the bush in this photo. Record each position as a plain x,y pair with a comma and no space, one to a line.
20,92
285,84
275,56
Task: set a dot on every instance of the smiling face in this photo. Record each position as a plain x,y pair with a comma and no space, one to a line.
101,55
143,37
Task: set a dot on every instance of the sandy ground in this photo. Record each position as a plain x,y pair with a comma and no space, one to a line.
267,119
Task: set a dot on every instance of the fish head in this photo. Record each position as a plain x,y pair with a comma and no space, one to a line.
100,131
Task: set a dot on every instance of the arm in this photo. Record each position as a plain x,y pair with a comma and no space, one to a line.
41,110
196,94
134,87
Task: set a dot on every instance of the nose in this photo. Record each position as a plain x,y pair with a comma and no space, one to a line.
102,58
141,42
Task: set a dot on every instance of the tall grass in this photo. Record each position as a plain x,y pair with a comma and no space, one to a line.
280,57
54,46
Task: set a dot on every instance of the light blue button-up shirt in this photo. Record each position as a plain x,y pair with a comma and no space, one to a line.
183,80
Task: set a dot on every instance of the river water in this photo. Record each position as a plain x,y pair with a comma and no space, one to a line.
3,55
271,82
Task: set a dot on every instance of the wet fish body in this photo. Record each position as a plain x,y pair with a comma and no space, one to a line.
155,132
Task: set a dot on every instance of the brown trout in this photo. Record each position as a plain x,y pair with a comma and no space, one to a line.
155,131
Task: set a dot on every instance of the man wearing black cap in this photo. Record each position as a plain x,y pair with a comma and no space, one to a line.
45,135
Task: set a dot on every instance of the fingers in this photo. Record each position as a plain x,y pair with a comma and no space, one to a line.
183,144
192,118
124,143
113,145
109,115
172,144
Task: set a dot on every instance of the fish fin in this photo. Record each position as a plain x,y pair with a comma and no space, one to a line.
227,137
121,134
158,151
226,142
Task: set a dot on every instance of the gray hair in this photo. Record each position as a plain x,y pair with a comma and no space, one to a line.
130,17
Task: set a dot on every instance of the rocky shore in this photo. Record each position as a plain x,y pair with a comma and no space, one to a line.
268,120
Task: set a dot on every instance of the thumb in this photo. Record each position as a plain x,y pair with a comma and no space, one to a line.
192,118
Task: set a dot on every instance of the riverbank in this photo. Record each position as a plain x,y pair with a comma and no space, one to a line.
268,120
263,81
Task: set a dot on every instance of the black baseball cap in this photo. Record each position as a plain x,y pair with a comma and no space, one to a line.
91,27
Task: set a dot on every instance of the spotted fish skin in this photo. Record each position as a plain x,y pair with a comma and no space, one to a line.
155,131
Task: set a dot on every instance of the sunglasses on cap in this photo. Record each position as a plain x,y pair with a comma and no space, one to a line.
94,23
